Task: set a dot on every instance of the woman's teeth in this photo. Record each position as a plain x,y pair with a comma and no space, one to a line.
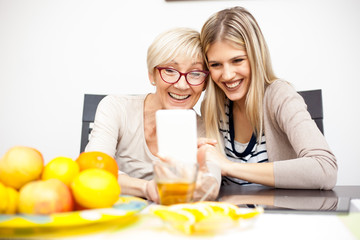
233,84
178,97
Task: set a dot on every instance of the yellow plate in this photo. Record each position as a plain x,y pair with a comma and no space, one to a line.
124,207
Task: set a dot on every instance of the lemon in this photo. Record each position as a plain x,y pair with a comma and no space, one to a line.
230,210
95,188
63,168
179,219
203,217
222,208
3,197
9,199
173,215
249,213
13,201
199,211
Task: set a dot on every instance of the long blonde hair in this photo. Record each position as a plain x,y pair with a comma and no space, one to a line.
238,26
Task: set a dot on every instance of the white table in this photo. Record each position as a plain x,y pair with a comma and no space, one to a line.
286,225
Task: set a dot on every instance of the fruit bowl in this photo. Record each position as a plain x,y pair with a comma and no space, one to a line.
124,207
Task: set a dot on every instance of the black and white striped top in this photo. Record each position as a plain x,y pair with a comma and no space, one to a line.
250,152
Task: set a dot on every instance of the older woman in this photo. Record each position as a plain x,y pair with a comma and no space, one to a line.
125,126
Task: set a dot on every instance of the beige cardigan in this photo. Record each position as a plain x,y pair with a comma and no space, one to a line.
119,131
301,155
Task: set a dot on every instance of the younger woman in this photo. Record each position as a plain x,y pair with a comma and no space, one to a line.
261,122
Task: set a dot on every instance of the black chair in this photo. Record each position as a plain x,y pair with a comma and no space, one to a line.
91,102
313,100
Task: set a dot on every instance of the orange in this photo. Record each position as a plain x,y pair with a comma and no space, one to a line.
20,165
100,160
63,168
95,188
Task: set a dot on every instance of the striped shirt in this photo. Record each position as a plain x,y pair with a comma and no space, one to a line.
250,152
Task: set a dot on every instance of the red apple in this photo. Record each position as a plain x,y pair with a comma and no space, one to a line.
45,197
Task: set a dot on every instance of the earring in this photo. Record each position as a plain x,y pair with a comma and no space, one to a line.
153,83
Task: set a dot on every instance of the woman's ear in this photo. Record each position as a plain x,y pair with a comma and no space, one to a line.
152,79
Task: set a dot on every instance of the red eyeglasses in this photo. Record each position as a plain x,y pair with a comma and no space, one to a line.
193,78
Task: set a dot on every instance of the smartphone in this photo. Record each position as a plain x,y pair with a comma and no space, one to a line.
177,134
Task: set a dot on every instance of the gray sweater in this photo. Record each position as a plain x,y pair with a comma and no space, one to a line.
301,155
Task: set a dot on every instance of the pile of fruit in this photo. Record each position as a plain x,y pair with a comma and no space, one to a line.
203,217
29,186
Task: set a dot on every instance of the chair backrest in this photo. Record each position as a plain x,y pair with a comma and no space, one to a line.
91,102
313,99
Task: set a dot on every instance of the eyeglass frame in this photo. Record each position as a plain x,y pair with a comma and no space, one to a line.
183,74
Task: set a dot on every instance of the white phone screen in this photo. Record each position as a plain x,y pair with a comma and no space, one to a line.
177,134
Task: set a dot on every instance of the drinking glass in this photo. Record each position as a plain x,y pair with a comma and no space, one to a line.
175,181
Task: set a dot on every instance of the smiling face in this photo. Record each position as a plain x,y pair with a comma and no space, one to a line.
230,69
179,95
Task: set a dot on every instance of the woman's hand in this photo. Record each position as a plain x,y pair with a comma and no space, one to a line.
208,153
252,172
206,186
203,141
151,192
206,183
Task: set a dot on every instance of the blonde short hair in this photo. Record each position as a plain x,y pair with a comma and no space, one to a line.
172,43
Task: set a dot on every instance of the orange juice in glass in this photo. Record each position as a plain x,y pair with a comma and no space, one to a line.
175,181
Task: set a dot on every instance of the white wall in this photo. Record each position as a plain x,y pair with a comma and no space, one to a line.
52,52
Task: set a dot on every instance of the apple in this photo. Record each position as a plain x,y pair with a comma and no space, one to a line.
20,165
45,197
